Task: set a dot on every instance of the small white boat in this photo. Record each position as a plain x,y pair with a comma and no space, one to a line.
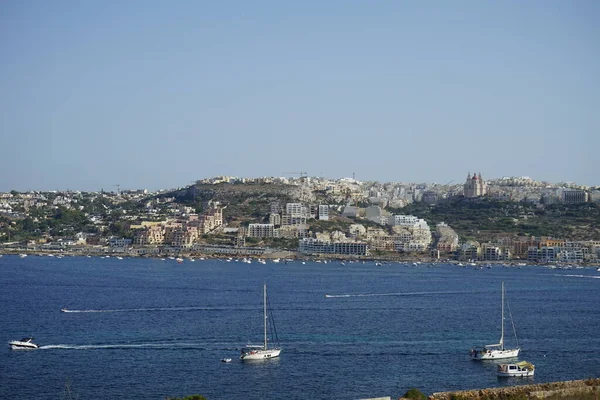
23,344
22,255
522,368
225,360
119,258
179,260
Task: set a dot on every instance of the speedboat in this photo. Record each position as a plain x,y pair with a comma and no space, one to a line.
24,344
522,368
225,360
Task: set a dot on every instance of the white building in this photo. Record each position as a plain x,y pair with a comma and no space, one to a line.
323,212
296,210
260,230
316,246
405,220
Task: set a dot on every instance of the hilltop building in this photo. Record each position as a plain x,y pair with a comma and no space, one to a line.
475,186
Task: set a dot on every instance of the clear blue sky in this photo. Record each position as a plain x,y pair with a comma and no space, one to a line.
156,94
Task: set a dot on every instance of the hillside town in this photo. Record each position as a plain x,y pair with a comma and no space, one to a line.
312,217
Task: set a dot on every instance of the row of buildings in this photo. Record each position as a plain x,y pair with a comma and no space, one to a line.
180,233
533,249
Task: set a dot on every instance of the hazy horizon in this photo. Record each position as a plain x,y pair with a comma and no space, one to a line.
150,94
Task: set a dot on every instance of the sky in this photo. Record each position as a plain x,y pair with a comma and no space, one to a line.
157,94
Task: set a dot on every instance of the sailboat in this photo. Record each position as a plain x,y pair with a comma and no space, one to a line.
262,352
496,351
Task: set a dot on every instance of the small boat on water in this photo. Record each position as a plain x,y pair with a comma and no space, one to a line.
23,344
262,352
523,368
496,351
225,360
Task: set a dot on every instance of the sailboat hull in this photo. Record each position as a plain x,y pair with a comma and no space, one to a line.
260,354
494,354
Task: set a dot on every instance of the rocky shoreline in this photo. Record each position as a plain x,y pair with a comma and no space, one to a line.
579,389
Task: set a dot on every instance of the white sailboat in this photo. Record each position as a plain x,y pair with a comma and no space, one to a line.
496,351
262,352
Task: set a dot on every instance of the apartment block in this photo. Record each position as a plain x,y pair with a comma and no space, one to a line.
315,246
323,212
275,219
261,230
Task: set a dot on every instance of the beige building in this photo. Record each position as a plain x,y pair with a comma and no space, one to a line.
475,186
150,235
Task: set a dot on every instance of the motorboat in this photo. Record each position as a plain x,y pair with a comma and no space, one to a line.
226,360
263,352
496,351
23,344
523,368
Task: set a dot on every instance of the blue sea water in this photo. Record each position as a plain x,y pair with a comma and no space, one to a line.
149,329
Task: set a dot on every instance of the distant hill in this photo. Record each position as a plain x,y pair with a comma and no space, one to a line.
245,202
487,219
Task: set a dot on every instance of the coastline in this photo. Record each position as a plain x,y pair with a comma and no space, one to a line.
579,389
286,255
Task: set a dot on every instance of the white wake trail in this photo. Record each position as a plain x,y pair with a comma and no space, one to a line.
119,346
117,310
581,276
396,294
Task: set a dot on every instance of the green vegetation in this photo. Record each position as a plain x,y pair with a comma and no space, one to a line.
334,224
486,219
415,394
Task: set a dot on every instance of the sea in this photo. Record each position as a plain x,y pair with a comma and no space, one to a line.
153,329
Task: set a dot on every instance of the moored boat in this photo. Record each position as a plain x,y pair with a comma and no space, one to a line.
523,368
496,351
263,352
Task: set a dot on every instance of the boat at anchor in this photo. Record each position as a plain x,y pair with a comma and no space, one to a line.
262,352
497,351
522,368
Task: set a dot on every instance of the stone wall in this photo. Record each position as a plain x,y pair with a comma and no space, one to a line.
582,389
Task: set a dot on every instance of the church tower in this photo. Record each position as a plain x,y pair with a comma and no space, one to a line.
475,186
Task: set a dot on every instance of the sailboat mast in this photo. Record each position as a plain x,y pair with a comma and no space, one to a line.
265,312
502,335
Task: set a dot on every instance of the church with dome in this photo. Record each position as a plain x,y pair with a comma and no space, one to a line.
475,186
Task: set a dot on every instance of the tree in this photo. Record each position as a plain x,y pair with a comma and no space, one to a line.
414,394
